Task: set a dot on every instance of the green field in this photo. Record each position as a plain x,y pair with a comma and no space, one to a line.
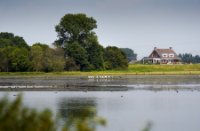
163,68
134,69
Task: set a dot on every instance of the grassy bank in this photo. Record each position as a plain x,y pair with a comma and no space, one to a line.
134,69
163,68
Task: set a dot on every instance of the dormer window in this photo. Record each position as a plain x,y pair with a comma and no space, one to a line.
165,55
171,55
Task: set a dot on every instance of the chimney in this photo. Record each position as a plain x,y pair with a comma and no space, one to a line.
155,48
170,48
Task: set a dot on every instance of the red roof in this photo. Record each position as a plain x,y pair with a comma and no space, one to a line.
168,51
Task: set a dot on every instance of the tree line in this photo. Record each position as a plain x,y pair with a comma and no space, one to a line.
77,48
131,55
38,57
189,58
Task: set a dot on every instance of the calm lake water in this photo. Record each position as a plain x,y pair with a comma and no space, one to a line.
168,106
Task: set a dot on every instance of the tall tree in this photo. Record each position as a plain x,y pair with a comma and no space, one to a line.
14,59
95,53
8,39
46,59
79,54
19,59
74,27
56,59
76,36
37,58
4,62
115,58
189,58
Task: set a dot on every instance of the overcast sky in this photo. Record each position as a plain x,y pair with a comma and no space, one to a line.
137,24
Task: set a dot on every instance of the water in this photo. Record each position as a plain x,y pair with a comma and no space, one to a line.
168,107
125,111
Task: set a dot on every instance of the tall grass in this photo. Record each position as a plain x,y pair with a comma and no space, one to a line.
133,69
163,68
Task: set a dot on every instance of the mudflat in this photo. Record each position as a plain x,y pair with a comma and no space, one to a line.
99,83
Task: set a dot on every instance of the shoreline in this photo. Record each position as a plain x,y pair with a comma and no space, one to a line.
100,83
94,73
70,88
124,88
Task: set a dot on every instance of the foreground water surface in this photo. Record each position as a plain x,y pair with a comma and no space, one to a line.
168,106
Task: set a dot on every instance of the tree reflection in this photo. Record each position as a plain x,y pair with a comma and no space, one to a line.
80,114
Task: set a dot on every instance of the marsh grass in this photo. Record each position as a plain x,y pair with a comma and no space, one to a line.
163,68
133,69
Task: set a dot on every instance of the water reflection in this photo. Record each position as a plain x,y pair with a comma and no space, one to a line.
116,83
168,110
80,114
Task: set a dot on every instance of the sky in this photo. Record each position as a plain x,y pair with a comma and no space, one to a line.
137,24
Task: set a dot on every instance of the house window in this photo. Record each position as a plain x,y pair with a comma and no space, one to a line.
171,55
165,55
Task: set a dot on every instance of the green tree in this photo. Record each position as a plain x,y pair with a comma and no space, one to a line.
42,57
19,58
5,42
14,59
36,58
74,27
8,39
14,53
4,62
115,58
70,65
76,30
55,59
95,53
79,54
47,59
129,53
189,58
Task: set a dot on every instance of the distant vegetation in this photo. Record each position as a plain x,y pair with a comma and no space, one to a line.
130,54
39,57
163,68
77,48
133,69
189,58
8,39
82,50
